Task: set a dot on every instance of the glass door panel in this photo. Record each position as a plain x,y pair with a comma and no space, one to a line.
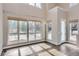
38,31
12,32
31,31
22,31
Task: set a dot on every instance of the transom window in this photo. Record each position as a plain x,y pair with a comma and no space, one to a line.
38,5
72,4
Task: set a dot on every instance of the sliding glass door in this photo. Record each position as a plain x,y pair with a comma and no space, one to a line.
12,31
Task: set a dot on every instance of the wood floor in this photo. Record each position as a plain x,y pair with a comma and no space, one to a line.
43,49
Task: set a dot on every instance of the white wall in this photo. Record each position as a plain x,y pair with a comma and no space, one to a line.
61,17
73,12
74,15
52,16
56,15
1,28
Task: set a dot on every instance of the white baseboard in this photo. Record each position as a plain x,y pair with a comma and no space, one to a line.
55,43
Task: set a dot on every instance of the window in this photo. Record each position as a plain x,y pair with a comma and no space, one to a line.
49,33
33,4
31,31
38,5
23,31
72,4
13,34
38,30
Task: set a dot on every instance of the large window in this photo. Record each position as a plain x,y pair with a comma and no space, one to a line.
38,31
13,34
23,31
31,30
